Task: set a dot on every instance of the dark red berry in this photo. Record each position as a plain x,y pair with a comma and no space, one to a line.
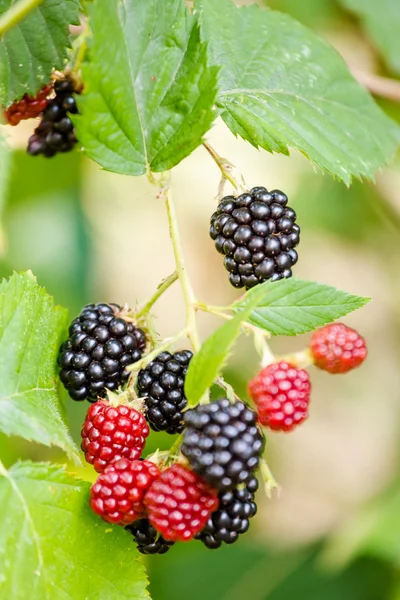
337,348
281,393
117,496
179,503
112,432
29,107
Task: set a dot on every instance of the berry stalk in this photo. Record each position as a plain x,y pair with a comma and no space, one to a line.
187,290
164,285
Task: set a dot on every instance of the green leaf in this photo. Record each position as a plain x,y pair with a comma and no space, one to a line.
382,23
206,364
292,306
29,51
30,335
149,92
54,548
281,86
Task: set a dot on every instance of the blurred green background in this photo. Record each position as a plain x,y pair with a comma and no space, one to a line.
334,530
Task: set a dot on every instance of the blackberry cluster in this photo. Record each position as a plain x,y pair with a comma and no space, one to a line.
55,133
147,538
161,383
28,107
236,508
222,443
100,346
257,234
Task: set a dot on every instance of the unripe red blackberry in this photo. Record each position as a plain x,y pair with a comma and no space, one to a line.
161,385
55,133
101,345
112,432
236,508
29,107
281,393
179,503
222,443
337,348
147,538
118,494
257,234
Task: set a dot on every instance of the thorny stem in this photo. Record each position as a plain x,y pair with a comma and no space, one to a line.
224,166
188,294
16,13
230,392
164,285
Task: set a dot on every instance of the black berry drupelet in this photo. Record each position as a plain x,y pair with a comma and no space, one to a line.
100,347
222,443
236,508
161,385
257,234
55,133
148,540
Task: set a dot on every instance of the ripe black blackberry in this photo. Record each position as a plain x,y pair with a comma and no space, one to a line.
95,356
236,508
257,234
161,385
55,133
222,443
148,540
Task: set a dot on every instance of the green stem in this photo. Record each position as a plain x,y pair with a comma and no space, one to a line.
230,392
16,13
164,285
269,480
223,165
219,312
142,364
187,291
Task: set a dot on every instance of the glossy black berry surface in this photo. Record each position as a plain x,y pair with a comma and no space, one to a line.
222,443
257,233
148,540
161,384
100,346
55,133
236,508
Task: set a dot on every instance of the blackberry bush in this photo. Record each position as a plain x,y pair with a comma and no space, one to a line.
154,76
257,233
101,344
222,443
55,133
161,385
236,508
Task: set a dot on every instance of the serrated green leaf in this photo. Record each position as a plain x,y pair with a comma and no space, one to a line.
53,547
149,93
30,335
39,43
281,86
292,306
382,23
206,364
